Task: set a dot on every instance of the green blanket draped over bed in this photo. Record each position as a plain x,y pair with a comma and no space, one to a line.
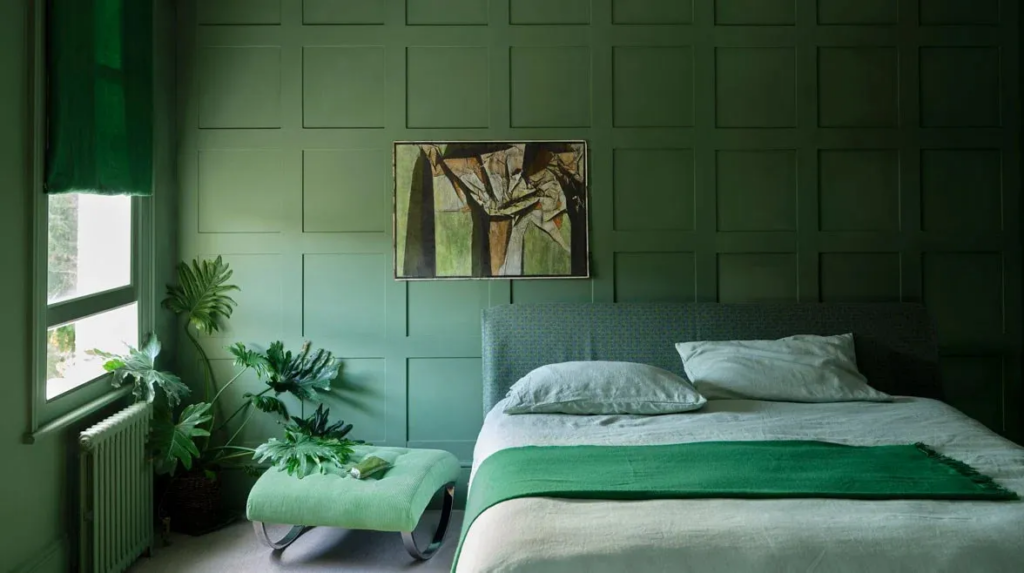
752,470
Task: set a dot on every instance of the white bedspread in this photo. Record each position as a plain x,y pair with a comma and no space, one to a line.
540,535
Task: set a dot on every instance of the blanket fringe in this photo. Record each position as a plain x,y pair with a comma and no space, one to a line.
981,480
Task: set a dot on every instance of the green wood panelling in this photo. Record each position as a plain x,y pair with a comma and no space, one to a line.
446,386
526,12
653,86
654,277
755,87
652,11
645,177
360,312
858,12
240,190
860,277
241,87
343,86
761,277
452,78
960,12
960,87
975,385
872,72
447,12
526,292
344,11
961,190
755,12
756,190
240,12
837,150
859,190
345,191
551,86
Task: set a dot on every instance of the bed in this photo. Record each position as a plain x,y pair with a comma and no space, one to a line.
896,350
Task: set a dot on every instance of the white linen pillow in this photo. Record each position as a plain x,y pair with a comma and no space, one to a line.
802,368
598,387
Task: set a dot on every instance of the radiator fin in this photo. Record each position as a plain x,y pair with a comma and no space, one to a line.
116,485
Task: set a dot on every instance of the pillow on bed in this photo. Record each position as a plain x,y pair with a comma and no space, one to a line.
803,368
597,387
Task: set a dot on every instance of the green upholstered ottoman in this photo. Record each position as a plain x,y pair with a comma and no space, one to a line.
393,502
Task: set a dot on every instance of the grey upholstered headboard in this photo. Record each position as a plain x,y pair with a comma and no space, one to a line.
895,343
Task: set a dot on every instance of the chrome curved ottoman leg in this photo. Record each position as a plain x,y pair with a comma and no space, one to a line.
439,534
288,539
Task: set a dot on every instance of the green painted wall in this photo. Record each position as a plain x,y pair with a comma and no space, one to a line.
741,150
35,490
32,487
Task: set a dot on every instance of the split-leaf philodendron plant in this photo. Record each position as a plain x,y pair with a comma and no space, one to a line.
194,438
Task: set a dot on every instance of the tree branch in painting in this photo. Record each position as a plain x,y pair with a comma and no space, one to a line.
524,204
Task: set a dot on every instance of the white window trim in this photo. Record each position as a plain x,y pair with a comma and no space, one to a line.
47,417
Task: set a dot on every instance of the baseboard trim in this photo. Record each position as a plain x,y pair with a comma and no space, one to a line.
56,550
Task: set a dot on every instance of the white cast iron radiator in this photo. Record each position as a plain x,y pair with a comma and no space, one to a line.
116,485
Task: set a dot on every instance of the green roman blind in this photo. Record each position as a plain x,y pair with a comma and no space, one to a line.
100,97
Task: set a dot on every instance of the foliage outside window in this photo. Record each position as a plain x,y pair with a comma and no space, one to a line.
91,298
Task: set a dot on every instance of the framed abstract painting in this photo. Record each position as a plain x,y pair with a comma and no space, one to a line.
491,210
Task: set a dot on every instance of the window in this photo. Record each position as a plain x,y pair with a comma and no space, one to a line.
93,169
91,302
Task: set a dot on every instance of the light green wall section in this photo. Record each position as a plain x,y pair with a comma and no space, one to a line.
741,150
35,491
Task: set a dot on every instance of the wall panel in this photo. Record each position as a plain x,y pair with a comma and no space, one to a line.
741,150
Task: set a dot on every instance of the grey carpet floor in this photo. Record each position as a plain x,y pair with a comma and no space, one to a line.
235,548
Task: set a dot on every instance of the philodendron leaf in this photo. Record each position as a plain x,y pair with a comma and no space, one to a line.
139,368
317,425
300,455
173,443
249,358
201,294
268,404
303,374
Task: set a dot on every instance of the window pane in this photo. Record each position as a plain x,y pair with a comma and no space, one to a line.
90,244
68,364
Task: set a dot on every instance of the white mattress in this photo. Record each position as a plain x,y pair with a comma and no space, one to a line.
729,535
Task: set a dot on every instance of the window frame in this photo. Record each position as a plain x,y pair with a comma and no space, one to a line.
49,415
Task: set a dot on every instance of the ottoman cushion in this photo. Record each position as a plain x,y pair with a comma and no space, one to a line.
393,502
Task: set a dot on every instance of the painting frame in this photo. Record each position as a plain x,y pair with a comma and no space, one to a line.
552,206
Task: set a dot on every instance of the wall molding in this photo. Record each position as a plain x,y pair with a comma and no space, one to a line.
50,560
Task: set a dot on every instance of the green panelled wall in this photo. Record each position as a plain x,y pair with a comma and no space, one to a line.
741,150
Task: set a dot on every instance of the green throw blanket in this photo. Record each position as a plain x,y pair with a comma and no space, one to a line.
751,470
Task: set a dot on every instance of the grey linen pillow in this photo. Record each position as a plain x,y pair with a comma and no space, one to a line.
598,387
802,368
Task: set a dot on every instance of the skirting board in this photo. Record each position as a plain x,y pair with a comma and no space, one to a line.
52,559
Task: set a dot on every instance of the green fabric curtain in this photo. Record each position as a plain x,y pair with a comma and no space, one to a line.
100,100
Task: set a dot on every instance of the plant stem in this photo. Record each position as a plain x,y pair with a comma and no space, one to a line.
225,387
238,455
231,448
240,426
209,383
247,404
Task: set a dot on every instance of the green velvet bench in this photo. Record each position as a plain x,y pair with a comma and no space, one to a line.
393,502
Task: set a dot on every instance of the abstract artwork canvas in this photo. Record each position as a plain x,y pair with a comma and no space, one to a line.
489,210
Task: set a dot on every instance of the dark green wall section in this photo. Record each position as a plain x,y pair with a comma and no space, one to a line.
741,150
33,491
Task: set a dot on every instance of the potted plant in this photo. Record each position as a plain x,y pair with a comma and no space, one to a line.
184,440
191,447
